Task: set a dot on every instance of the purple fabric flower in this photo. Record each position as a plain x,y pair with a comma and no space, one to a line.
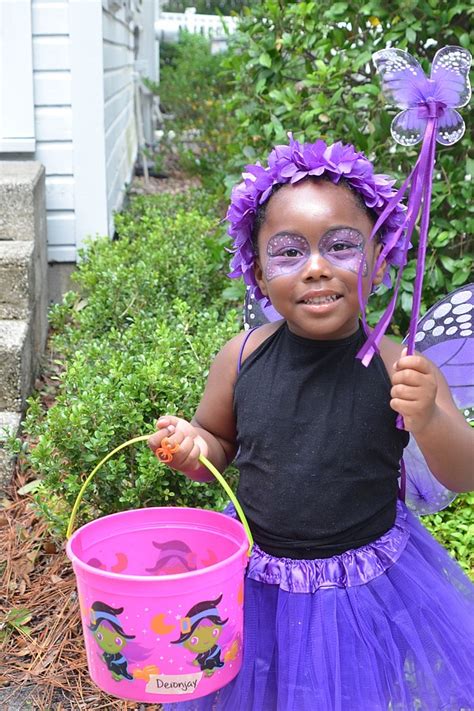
290,164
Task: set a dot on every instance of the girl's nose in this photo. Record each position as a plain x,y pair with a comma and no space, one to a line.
317,267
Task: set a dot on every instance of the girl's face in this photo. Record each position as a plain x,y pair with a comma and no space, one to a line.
311,245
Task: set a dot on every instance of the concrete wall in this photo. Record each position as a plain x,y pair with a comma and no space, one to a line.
23,291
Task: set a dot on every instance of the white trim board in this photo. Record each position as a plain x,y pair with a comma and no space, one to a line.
17,124
87,92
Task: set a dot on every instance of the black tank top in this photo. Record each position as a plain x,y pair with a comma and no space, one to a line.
319,452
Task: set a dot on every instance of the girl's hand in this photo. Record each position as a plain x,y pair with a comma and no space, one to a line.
414,389
182,433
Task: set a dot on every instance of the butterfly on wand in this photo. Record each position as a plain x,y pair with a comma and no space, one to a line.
406,86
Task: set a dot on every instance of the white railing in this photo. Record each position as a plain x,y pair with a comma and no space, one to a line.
169,24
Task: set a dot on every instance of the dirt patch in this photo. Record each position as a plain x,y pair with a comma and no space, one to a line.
172,185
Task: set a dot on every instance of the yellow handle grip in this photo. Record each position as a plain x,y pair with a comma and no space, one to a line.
205,462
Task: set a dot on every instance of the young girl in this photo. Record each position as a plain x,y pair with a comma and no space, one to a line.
350,605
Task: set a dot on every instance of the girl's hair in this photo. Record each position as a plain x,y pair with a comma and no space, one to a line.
101,612
262,209
202,611
339,163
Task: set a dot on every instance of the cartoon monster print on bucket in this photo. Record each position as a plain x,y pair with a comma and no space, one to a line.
200,630
174,557
111,638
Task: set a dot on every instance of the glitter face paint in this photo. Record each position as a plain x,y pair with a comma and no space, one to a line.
286,254
343,247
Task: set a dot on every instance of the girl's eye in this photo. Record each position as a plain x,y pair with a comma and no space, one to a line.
215,632
118,641
342,246
291,252
194,640
100,636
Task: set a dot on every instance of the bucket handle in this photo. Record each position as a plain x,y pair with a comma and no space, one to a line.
205,462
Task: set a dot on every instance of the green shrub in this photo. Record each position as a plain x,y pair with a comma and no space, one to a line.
136,342
113,390
167,247
192,89
454,528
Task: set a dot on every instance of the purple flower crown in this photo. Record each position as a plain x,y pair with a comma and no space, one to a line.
290,164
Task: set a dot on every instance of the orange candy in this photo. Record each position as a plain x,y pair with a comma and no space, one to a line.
166,451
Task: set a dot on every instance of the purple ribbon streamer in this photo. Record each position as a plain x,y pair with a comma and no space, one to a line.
420,181
430,137
386,247
402,491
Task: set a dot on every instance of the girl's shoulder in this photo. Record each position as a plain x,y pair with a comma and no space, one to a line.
249,341
241,346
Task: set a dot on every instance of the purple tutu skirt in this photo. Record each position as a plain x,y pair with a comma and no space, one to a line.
385,627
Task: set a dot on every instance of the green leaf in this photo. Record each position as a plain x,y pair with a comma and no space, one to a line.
448,263
410,34
265,60
366,89
29,487
442,239
461,277
338,8
18,617
260,85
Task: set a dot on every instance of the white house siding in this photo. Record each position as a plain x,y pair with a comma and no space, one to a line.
53,122
70,83
119,115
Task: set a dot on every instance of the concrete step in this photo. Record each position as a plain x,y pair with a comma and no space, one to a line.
9,425
22,200
17,279
17,367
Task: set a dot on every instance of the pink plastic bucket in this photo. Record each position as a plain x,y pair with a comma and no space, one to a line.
161,599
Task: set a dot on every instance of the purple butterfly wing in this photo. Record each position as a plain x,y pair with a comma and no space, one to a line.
450,74
451,127
404,84
255,313
407,128
445,336
403,80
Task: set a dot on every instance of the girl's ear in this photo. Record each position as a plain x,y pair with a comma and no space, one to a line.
258,271
381,270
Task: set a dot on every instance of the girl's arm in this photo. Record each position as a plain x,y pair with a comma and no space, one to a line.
421,395
211,432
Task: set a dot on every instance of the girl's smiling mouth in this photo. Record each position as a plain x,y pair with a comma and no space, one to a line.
317,298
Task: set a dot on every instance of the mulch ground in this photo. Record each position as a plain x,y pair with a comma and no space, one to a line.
43,662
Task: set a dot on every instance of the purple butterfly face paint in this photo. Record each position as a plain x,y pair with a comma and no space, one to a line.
343,247
286,253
